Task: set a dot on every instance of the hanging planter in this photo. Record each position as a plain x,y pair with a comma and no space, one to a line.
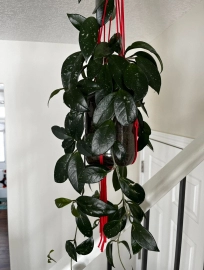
104,90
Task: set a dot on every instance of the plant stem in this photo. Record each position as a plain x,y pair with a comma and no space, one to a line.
119,253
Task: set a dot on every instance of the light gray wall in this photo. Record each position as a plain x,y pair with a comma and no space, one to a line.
179,109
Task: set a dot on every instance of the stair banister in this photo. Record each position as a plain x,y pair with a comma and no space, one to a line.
173,172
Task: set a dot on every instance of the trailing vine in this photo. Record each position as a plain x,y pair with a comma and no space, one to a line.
105,86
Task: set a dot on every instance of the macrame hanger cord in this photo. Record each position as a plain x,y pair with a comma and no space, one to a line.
120,28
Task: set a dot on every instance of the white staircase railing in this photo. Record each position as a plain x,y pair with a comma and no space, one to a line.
156,188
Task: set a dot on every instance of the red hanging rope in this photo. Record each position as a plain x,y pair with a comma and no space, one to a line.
120,28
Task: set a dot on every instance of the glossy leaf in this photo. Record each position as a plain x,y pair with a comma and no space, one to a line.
119,151
74,99
104,138
104,79
84,147
61,202
136,211
102,50
109,12
136,80
112,228
98,4
150,146
71,250
125,243
135,246
143,237
88,36
94,207
84,225
69,149
68,143
75,166
71,69
104,110
109,253
77,20
115,43
117,65
147,56
74,211
93,174
151,72
88,87
59,132
85,247
123,173
146,46
60,172
55,92
131,190
74,123
94,67
125,108
119,214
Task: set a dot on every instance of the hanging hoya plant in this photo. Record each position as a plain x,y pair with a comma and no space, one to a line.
104,88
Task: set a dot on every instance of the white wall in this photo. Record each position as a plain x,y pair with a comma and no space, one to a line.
179,109
30,71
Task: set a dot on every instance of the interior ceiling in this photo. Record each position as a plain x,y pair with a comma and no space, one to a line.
46,20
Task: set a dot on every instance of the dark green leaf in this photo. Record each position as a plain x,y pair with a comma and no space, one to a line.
147,56
115,43
143,107
85,247
94,207
104,138
60,172
77,20
112,228
143,141
136,80
68,145
74,99
127,246
119,151
102,50
75,212
104,110
135,246
88,87
75,166
117,65
71,250
131,190
150,146
151,72
123,173
119,215
146,46
84,147
55,92
96,194
70,148
59,132
61,202
94,67
84,225
74,123
96,223
125,108
143,237
71,69
136,211
88,36
109,254
98,4
93,174
109,12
